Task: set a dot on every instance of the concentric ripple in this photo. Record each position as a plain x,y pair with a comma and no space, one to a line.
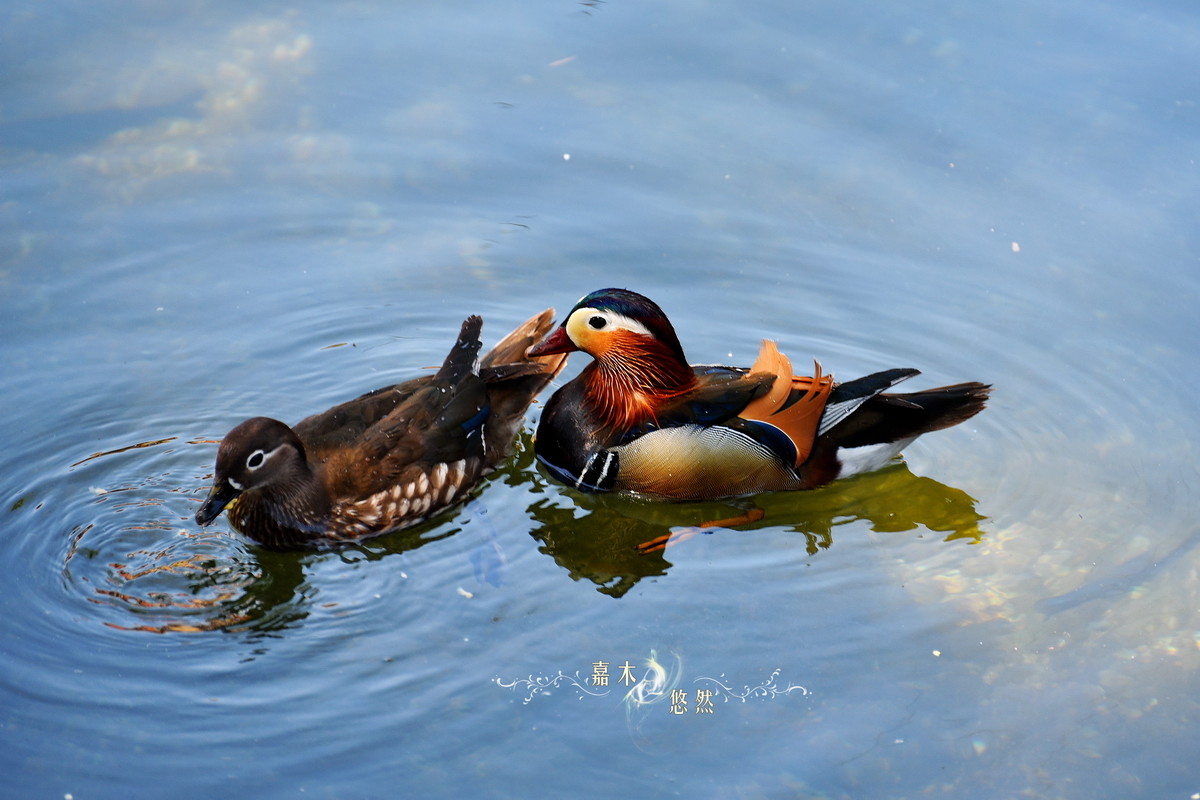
134,559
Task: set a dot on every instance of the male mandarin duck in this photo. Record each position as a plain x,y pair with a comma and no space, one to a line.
388,459
640,419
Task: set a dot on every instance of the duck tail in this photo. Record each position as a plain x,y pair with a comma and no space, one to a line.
793,404
511,349
514,379
892,417
463,357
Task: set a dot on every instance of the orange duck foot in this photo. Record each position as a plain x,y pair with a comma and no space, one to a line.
661,543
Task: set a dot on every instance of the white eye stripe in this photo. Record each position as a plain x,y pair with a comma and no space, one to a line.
584,318
259,457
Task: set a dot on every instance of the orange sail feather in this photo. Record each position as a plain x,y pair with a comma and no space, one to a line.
794,403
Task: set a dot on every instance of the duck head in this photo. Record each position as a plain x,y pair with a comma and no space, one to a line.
614,325
259,453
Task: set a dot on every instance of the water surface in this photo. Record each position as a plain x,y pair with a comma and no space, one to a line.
211,213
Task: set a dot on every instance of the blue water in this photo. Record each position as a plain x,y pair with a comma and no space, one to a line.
215,211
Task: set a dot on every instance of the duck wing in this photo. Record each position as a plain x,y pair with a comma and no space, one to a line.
366,445
347,423
720,395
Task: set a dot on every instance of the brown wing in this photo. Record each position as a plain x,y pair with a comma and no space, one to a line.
720,394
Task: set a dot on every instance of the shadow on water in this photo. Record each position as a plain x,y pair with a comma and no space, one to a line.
597,537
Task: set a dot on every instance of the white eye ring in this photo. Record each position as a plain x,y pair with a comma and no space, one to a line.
255,460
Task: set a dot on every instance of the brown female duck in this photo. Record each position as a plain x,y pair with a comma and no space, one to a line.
388,459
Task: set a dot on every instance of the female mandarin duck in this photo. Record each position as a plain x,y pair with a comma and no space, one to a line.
640,419
388,459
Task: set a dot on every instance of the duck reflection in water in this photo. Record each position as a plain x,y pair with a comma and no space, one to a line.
602,537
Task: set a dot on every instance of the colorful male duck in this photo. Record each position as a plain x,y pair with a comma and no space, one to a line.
388,459
640,419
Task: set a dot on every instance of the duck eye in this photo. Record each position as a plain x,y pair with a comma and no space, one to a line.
597,322
255,460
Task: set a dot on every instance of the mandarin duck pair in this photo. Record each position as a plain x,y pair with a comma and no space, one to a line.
639,418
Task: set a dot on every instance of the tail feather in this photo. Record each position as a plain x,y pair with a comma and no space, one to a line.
892,417
514,379
511,349
847,397
463,356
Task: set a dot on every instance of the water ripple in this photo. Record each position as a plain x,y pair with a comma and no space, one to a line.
139,566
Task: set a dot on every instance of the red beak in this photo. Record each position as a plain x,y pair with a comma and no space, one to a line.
556,342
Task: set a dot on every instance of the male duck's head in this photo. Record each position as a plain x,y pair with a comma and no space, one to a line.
257,453
613,324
